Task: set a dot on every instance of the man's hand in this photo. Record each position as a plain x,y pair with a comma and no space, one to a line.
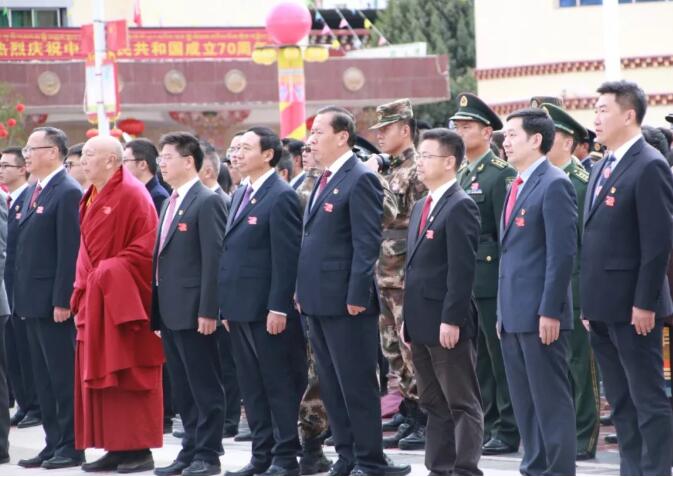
403,339
61,314
355,310
207,326
372,164
550,328
642,320
226,325
448,335
275,323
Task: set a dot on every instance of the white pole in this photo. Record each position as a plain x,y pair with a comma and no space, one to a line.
99,56
611,40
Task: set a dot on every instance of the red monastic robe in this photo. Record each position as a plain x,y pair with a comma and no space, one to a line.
118,393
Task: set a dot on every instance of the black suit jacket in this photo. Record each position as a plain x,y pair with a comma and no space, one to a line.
258,265
300,181
187,264
46,250
440,268
226,199
13,218
158,193
342,238
628,235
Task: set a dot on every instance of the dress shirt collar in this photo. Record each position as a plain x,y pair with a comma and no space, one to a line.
296,178
621,151
261,180
185,188
15,195
43,183
439,192
525,175
338,164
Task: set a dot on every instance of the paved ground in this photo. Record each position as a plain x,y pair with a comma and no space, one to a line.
28,442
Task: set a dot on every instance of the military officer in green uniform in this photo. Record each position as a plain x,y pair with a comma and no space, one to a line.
485,177
395,131
583,370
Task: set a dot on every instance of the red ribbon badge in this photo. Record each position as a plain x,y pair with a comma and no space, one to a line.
182,227
328,207
520,222
610,200
252,220
430,234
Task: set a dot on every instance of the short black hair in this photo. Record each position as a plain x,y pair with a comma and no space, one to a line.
537,121
293,146
449,141
144,150
421,124
628,95
186,144
268,140
285,163
669,135
16,151
656,139
75,150
224,178
57,137
342,120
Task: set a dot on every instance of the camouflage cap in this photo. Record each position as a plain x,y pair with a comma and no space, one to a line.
538,101
390,113
472,108
564,122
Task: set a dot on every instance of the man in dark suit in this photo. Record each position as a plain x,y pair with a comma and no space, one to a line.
46,253
440,318
538,237
628,235
295,148
140,158
4,315
335,290
191,230
19,370
258,269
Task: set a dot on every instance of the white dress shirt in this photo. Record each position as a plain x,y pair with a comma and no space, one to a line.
438,193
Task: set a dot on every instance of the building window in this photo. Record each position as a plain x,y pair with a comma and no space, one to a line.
33,17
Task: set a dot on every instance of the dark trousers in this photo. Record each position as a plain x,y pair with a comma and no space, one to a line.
346,349
265,365
232,392
19,368
52,354
633,376
449,394
538,383
4,394
499,419
196,379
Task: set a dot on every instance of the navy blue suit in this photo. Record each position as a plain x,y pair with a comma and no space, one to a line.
46,254
342,238
258,269
588,163
158,193
19,368
538,247
628,235
300,181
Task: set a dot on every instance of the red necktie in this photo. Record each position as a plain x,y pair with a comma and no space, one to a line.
323,181
425,213
512,198
36,194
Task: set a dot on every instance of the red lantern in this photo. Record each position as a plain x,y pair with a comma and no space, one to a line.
134,127
20,107
11,122
116,133
3,132
288,22
93,132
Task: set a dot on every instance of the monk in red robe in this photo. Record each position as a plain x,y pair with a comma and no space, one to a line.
118,393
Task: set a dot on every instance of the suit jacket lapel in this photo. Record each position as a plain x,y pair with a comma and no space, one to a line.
331,185
528,187
235,201
259,195
43,197
186,202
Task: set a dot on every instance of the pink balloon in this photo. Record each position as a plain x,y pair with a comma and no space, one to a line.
288,22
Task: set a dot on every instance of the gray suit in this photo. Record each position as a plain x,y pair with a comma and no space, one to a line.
4,314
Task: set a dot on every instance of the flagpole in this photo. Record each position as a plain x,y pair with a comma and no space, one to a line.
612,57
99,56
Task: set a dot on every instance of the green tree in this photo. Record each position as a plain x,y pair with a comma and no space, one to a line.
447,26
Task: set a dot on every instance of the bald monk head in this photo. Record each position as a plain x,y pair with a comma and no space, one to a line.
101,158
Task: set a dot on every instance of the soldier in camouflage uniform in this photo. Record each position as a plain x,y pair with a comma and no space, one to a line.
485,178
395,130
582,366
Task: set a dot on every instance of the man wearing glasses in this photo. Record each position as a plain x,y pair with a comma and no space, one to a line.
73,164
13,174
140,158
47,246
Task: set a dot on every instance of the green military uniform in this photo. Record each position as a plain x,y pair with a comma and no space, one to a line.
407,189
582,366
485,181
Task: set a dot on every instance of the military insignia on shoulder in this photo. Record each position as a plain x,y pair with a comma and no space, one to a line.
582,174
463,166
499,163
480,168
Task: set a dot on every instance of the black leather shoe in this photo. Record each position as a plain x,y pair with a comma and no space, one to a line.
16,418
414,441
201,467
179,434
230,431
32,463
495,447
403,431
388,470
611,438
585,455
393,423
107,463
243,436
29,421
606,420
278,470
314,463
4,459
174,469
247,470
60,462
341,467
136,462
